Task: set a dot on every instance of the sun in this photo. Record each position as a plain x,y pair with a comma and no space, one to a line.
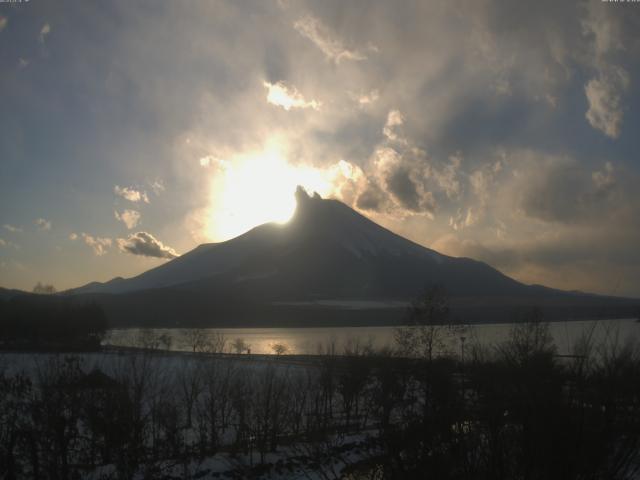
253,189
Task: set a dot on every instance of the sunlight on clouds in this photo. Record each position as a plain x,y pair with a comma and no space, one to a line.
252,189
288,97
131,194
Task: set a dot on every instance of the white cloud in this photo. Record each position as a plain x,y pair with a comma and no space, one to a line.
604,97
145,244
313,29
44,31
12,228
98,244
73,236
131,194
129,217
288,97
43,224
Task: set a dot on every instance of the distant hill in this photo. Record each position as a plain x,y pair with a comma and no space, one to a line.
8,293
328,265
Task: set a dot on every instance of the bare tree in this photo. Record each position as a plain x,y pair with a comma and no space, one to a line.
195,339
529,340
279,348
216,342
149,339
428,318
239,345
190,381
166,340
356,346
44,289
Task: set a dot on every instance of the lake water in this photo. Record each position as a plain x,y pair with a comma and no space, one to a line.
321,340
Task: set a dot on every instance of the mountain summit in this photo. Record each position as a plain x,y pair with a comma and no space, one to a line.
326,256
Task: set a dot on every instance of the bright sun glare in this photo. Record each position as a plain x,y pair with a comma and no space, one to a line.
254,189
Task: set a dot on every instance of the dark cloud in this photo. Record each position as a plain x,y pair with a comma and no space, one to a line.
562,190
145,244
400,185
372,198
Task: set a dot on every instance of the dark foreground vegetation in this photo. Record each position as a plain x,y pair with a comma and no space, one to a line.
511,411
46,322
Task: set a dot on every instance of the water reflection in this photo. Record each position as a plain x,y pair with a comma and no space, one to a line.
356,339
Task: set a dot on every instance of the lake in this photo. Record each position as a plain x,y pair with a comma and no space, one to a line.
321,340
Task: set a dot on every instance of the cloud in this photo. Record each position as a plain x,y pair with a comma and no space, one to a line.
3,22
9,244
131,194
73,236
371,197
43,224
44,31
474,78
394,119
313,29
603,93
558,189
158,187
403,177
446,176
207,161
364,99
98,244
288,97
604,179
12,228
145,244
129,217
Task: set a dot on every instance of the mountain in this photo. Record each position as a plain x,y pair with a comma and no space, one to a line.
328,264
327,250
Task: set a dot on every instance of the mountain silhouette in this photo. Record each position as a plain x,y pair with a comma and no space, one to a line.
327,261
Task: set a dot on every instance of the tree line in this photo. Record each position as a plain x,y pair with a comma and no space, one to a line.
49,322
510,411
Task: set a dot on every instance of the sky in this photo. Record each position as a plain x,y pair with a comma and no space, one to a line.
133,131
